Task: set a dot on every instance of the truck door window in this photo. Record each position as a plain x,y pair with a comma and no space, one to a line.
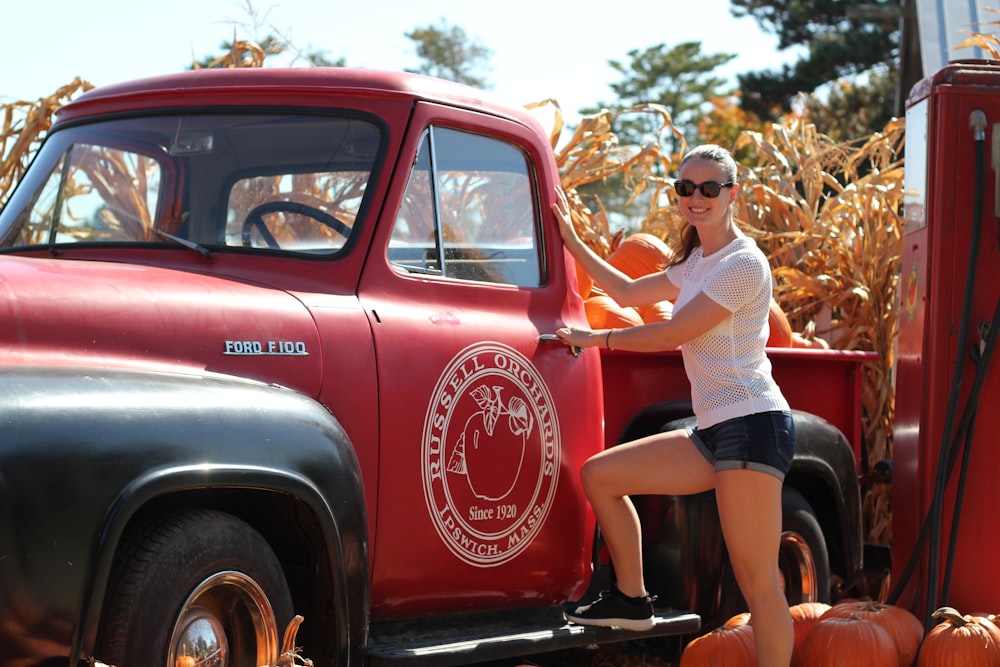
468,212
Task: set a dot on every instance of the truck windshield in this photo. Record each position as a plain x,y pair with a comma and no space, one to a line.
259,182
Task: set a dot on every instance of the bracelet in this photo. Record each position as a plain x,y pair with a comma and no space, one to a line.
607,339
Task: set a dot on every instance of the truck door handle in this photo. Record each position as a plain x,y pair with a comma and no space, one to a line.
549,338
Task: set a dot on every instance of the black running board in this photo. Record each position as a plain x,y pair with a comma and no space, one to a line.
483,637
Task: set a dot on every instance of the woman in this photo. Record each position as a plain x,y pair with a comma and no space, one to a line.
743,442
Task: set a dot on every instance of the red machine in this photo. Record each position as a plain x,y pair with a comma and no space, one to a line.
946,462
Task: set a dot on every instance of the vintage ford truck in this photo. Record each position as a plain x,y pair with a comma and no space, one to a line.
272,342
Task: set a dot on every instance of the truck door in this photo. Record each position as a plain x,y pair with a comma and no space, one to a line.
483,428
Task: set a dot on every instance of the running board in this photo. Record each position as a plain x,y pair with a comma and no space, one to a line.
481,637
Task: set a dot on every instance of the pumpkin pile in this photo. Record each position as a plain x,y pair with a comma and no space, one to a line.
868,632
856,633
637,255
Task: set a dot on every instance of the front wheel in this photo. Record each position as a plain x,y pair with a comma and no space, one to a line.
194,588
802,555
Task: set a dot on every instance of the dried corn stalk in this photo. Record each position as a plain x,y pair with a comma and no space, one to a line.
242,53
593,153
988,43
24,127
830,217
26,123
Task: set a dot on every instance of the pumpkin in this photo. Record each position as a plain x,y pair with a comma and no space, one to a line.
661,311
185,661
723,647
960,641
584,283
742,618
780,329
809,339
640,254
603,312
850,641
987,615
804,616
904,628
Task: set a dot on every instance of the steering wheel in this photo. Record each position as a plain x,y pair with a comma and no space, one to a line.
255,218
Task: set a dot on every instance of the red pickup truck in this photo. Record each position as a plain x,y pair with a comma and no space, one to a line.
274,343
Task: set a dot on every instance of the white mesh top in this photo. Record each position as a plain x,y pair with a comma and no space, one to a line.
729,373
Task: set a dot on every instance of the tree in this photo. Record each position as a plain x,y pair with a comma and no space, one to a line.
724,123
854,109
680,79
447,53
845,39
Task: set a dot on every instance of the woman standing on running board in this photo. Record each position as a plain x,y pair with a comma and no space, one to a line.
744,439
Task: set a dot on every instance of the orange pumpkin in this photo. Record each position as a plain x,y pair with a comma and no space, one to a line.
904,628
722,647
661,311
804,616
987,615
584,283
809,339
781,329
185,661
640,254
799,340
603,312
960,641
848,642
742,618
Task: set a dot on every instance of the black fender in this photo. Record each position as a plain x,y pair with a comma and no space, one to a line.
825,472
85,451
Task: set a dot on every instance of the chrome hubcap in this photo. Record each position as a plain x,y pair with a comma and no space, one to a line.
798,565
226,615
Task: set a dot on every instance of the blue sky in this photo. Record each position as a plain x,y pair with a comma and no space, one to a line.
540,49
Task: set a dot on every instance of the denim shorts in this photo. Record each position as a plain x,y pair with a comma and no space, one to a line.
764,441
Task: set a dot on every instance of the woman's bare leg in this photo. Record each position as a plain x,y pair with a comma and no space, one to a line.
750,513
663,464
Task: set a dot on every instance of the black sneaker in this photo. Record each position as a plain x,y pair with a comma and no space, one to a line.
613,609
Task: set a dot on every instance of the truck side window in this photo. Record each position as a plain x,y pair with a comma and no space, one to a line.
468,212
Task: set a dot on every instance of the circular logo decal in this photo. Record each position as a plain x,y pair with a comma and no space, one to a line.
490,454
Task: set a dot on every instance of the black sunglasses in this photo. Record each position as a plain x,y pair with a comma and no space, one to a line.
710,189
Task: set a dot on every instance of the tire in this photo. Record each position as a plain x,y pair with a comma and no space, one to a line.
802,555
198,575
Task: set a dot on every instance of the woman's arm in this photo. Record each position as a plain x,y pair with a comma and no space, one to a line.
696,317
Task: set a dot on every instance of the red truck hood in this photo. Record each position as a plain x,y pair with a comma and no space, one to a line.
99,314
